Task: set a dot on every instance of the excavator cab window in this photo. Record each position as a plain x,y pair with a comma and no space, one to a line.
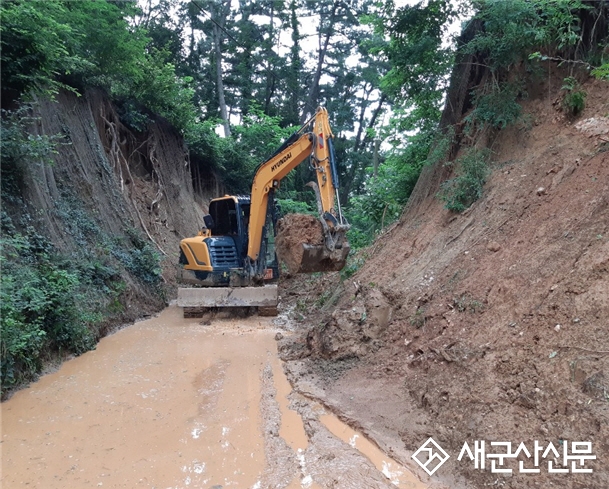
224,215
209,221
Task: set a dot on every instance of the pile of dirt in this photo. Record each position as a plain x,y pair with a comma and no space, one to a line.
293,231
487,325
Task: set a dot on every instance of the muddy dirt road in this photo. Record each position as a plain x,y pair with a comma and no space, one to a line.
171,403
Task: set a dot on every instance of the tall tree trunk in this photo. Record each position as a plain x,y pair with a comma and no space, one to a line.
375,158
245,67
312,99
293,82
218,54
362,114
374,117
270,79
355,167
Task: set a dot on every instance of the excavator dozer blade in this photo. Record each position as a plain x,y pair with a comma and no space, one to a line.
228,296
317,258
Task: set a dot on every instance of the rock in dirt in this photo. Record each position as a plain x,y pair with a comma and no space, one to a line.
493,246
292,231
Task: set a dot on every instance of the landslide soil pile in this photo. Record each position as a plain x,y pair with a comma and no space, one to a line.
293,231
486,325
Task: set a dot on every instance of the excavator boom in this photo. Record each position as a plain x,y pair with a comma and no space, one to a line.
315,141
233,255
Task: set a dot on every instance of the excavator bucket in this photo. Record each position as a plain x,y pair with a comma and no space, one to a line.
317,258
304,248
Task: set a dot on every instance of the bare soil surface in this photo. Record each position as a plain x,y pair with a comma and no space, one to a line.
174,403
489,325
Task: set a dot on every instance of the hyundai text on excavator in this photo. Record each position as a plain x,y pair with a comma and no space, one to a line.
233,256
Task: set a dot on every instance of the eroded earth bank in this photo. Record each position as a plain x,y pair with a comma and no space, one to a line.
490,325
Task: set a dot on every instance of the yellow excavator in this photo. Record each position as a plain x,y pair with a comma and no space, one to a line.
232,261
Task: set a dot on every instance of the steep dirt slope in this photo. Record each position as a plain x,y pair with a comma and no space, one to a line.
110,193
489,325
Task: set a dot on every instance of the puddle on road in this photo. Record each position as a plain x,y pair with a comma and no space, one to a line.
291,428
164,403
399,476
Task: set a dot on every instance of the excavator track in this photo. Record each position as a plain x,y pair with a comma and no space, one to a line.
203,312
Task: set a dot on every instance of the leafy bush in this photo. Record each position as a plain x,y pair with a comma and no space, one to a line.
19,147
497,108
42,305
137,254
463,190
574,99
602,72
354,263
290,206
50,45
139,257
22,340
440,147
385,194
53,303
514,29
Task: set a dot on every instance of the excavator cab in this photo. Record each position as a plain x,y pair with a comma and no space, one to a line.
216,256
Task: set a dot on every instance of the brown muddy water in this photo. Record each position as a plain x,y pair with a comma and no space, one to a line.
170,403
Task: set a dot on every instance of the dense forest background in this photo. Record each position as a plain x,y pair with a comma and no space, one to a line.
233,79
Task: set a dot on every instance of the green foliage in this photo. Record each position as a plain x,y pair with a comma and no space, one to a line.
463,190
602,72
514,29
291,206
354,263
418,318
237,157
497,108
74,45
162,92
139,257
420,60
19,146
466,303
440,147
34,39
385,194
52,302
42,305
574,99
379,206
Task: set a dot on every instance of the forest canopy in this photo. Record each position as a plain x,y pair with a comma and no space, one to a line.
257,69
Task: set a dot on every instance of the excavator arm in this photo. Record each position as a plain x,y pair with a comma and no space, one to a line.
314,141
229,273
